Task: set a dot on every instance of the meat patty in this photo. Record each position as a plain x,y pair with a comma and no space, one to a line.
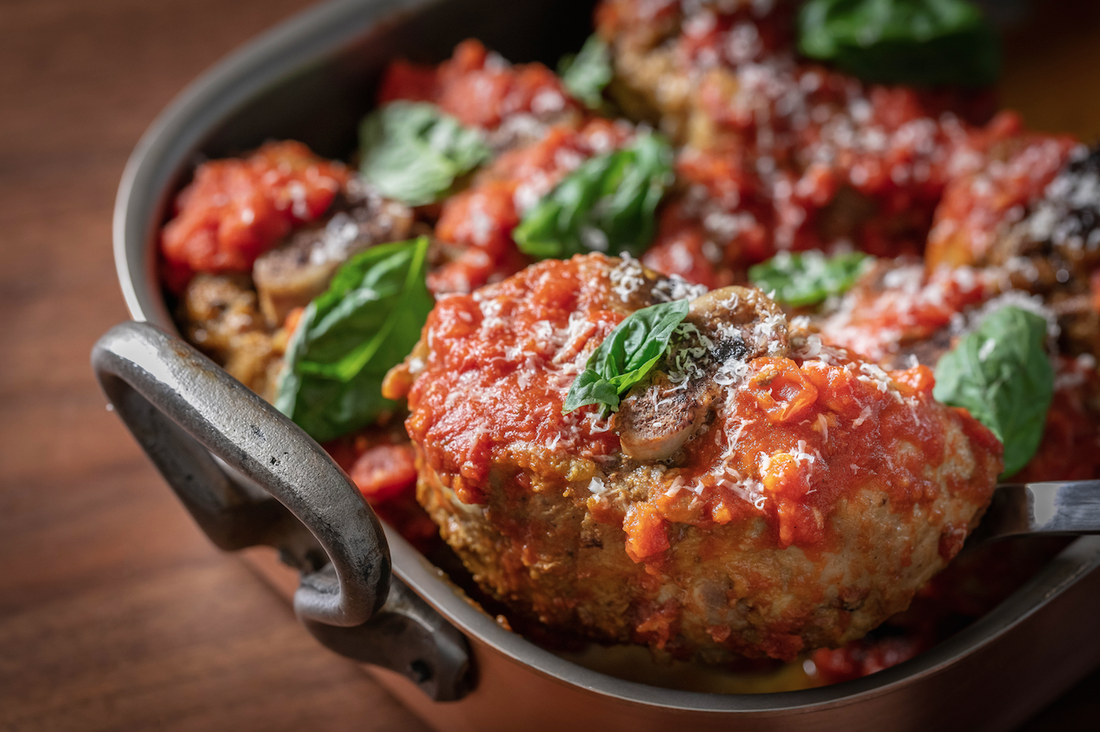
785,495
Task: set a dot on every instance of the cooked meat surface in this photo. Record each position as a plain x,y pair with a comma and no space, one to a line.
759,494
220,315
1031,217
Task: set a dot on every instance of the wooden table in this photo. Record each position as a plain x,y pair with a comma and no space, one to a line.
115,612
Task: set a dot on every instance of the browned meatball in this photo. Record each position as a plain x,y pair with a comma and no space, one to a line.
758,495
1031,219
220,315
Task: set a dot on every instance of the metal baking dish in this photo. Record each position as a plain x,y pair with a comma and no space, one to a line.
311,79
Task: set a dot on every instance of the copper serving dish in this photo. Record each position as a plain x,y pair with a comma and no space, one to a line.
364,591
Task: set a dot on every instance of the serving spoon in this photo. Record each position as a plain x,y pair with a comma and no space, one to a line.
1054,508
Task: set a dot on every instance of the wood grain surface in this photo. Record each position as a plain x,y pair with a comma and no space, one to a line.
115,613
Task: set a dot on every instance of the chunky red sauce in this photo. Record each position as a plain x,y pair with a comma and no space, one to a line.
478,87
784,154
236,209
480,219
901,303
381,463
810,434
496,345
977,206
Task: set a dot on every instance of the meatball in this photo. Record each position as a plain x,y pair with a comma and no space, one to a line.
779,153
898,311
1032,217
220,314
759,494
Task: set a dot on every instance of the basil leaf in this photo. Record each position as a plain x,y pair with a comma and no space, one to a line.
923,42
367,321
626,356
808,277
608,204
587,73
412,152
1001,374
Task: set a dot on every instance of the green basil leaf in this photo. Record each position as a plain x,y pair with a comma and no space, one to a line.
626,356
808,277
590,388
1001,374
608,204
367,321
587,73
412,152
922,42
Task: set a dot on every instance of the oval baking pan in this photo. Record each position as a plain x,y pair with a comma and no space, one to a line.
311,79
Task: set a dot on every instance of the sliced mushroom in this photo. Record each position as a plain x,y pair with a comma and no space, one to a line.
654,423
731,327
296,272
742,322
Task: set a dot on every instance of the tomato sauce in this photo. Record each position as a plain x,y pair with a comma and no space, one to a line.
499,343
781,154
478,87
480,219
811,433
977,207
380,461
236,209
1068,448
900,303
863,167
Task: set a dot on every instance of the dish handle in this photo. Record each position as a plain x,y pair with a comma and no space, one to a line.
200,426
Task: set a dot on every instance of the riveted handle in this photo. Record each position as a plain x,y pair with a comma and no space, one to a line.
177,402
250,476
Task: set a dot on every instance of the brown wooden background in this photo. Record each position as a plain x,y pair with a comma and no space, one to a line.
115,613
